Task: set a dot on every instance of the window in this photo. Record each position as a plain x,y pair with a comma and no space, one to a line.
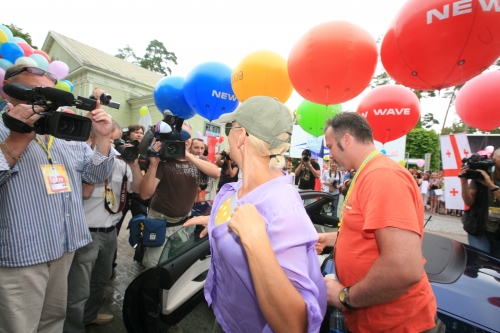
215,128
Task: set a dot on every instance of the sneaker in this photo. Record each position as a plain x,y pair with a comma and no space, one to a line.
102,319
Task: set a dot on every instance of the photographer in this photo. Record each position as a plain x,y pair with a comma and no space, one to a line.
174,183
307,171
483,197
91,266
42,224
229,170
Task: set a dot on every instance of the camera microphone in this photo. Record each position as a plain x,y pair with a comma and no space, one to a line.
19,91
54,94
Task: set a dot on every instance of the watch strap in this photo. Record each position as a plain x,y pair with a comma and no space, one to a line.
345,300
495,189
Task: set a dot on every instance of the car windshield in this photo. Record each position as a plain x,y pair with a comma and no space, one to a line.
181,242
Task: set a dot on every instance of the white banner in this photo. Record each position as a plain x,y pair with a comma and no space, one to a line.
453,149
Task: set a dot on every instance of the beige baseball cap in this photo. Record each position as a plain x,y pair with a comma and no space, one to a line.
263,117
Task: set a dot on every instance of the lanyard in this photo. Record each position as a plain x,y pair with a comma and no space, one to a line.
108,193
47,149
353,182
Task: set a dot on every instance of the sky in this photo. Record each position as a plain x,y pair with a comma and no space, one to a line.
198,31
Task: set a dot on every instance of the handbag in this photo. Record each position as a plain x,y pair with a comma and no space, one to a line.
148,232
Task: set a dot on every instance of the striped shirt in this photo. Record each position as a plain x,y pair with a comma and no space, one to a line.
36,227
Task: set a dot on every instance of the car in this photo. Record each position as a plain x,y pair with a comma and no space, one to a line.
465,280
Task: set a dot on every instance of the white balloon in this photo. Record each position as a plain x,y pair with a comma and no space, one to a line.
26,61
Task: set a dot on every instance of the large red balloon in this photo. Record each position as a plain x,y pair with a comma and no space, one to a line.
333,62
478,102
441,43
392,111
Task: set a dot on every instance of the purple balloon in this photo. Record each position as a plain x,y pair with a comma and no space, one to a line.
59,69
11,51
2,75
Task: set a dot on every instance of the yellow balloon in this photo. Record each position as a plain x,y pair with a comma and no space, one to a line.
63,86
3,37
143,111
262,73
402,163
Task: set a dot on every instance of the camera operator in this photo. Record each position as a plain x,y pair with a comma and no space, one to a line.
174,184
42,224
307,171
91,266
229,170
485,194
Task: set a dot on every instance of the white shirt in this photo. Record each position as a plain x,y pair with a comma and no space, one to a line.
325,177
96,215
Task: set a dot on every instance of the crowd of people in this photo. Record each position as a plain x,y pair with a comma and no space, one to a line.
58,243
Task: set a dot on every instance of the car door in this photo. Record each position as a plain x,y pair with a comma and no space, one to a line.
163,295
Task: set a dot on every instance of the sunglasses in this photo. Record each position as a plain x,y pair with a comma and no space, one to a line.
33,70
229,126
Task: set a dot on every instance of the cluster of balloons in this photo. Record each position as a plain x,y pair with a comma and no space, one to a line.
16,51
432,45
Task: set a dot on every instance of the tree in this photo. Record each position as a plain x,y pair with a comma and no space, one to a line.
458,126
420,141
18,32
157,59
126,53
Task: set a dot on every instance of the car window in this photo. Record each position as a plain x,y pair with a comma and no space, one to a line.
181,242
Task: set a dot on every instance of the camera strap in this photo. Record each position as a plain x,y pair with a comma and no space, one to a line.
109,195
15,124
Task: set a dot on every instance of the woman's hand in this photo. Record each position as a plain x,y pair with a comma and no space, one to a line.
199,220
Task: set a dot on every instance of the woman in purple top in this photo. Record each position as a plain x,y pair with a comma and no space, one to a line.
264,273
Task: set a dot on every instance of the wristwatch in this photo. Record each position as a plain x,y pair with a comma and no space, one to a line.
344,298
495,189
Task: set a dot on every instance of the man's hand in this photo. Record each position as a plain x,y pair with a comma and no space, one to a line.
321,243
101,122
333,289
486,180
199,220
153,160
28,114
247,223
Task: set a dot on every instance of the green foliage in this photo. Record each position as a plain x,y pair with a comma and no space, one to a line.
156,59
18,32
420,141
458,126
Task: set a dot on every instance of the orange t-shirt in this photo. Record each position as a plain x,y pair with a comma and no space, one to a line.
385,195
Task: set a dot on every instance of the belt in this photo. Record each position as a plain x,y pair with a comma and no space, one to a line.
102,229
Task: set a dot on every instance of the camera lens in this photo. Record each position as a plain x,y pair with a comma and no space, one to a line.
66,126
172,150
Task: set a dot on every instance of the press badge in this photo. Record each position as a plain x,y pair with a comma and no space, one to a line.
55,178
494,213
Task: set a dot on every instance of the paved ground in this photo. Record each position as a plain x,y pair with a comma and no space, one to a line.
201,319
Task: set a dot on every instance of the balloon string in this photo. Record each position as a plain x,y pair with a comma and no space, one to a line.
386,135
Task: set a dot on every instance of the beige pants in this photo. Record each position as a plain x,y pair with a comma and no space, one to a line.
33,299
153,254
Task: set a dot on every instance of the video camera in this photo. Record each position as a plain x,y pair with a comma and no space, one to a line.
128,153
105,100
58,124
170,133
225,156
474,163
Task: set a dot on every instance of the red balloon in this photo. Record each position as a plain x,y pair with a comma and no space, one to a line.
441,43
221,139
45,55
478,101
392,111
333,62
28,50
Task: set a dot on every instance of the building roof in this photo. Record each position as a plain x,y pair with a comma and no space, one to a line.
92,57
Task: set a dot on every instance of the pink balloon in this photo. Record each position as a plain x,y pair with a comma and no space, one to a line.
59,69
478,100
420,163
2,75
28,50
4,95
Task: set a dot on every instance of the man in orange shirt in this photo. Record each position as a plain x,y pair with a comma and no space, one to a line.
383,286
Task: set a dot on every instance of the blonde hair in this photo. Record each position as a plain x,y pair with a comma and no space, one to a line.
278,161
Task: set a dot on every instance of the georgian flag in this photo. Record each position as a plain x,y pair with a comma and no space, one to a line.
454,148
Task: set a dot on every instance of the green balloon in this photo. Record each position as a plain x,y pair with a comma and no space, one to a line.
63,86
312,117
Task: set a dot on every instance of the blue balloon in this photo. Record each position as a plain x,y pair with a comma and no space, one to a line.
208,90
383,151
41,61
7,31
18,40
71,86
4,64
168,95
11,51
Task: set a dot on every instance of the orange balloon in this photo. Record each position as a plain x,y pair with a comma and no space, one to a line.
333,62
45,55
441,43
262,73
